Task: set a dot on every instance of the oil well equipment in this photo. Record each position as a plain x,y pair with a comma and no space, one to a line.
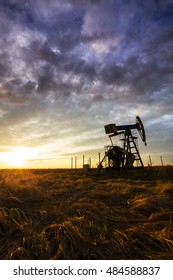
117,157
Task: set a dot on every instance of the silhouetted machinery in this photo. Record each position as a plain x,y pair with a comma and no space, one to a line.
124,156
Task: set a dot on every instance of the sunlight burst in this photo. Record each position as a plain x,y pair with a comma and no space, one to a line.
18,156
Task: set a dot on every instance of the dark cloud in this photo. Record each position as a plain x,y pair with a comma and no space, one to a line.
4,66
18,11
42,51
113,74
46,80
164,13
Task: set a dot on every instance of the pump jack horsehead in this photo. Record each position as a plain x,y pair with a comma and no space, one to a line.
125,156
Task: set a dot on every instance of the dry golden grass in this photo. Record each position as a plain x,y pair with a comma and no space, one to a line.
65,214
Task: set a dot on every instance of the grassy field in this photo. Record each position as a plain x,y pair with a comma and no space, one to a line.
65,214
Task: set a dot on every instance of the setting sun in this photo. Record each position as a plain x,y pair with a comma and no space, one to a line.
18,156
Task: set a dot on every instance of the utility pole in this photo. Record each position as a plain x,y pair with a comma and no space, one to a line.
89,162
161,160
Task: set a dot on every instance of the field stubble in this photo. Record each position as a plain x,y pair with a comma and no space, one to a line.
65,214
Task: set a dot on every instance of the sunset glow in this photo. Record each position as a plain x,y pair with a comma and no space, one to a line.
68,68
18,156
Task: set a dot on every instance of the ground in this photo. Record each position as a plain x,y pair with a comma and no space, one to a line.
66,214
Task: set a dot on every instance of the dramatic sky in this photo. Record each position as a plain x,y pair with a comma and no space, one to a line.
69,67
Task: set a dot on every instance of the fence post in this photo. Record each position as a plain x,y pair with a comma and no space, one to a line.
161,160
150,160
71,162
99,159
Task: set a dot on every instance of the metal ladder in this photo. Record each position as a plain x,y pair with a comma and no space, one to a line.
131,145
